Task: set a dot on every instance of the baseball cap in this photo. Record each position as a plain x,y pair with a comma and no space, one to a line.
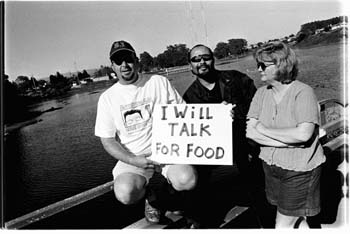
118,46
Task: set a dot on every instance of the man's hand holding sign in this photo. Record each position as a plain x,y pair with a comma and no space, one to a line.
192,134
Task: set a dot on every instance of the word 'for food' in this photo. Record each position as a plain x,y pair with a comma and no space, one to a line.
191,150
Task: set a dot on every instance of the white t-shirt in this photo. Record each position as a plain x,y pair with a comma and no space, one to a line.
126,110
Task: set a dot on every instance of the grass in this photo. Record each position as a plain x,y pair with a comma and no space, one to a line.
320,67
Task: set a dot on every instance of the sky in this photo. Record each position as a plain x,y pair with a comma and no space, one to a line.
44,37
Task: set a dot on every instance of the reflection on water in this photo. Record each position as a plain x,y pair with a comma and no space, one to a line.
55,158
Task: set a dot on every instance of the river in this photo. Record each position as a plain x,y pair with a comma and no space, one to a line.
57,158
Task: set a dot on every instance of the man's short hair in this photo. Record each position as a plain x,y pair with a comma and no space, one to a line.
196,46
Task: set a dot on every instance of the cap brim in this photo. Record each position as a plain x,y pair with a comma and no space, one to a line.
119,51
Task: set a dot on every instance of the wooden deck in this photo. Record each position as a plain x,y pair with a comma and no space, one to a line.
178,221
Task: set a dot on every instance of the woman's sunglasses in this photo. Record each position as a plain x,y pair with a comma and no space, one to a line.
264,65
198,58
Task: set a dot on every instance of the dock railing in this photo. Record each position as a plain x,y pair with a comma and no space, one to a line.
333,134
174,70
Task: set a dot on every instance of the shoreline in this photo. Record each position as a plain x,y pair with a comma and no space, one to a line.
8,128
12,127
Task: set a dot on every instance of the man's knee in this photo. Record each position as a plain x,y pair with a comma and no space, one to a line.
128,192
182,177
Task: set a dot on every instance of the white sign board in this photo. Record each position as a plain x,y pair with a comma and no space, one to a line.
192,134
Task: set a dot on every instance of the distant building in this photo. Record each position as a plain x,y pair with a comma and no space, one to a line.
253,46
319,30
96,79
340,25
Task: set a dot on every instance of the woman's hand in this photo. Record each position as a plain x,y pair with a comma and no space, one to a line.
251,123
260,127
251,132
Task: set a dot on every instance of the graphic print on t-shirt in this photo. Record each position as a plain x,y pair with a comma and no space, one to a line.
136,116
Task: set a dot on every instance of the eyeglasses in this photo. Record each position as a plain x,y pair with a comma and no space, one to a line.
198,58
127,59
264,65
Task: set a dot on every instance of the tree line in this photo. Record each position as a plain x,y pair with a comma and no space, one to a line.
24,91
309,29
313,26
176,55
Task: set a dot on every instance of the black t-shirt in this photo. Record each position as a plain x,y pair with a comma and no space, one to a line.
202,94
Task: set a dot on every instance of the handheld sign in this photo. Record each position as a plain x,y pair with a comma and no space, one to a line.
192,134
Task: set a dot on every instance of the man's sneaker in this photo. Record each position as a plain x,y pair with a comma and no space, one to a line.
191,224
152,215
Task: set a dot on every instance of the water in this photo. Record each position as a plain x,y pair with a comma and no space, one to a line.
58,158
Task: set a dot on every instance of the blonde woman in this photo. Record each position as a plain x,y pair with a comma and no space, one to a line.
284,119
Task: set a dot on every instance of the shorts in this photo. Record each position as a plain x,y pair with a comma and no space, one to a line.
295,193
122,167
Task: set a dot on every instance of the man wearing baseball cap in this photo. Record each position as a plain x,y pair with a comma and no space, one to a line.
124,125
